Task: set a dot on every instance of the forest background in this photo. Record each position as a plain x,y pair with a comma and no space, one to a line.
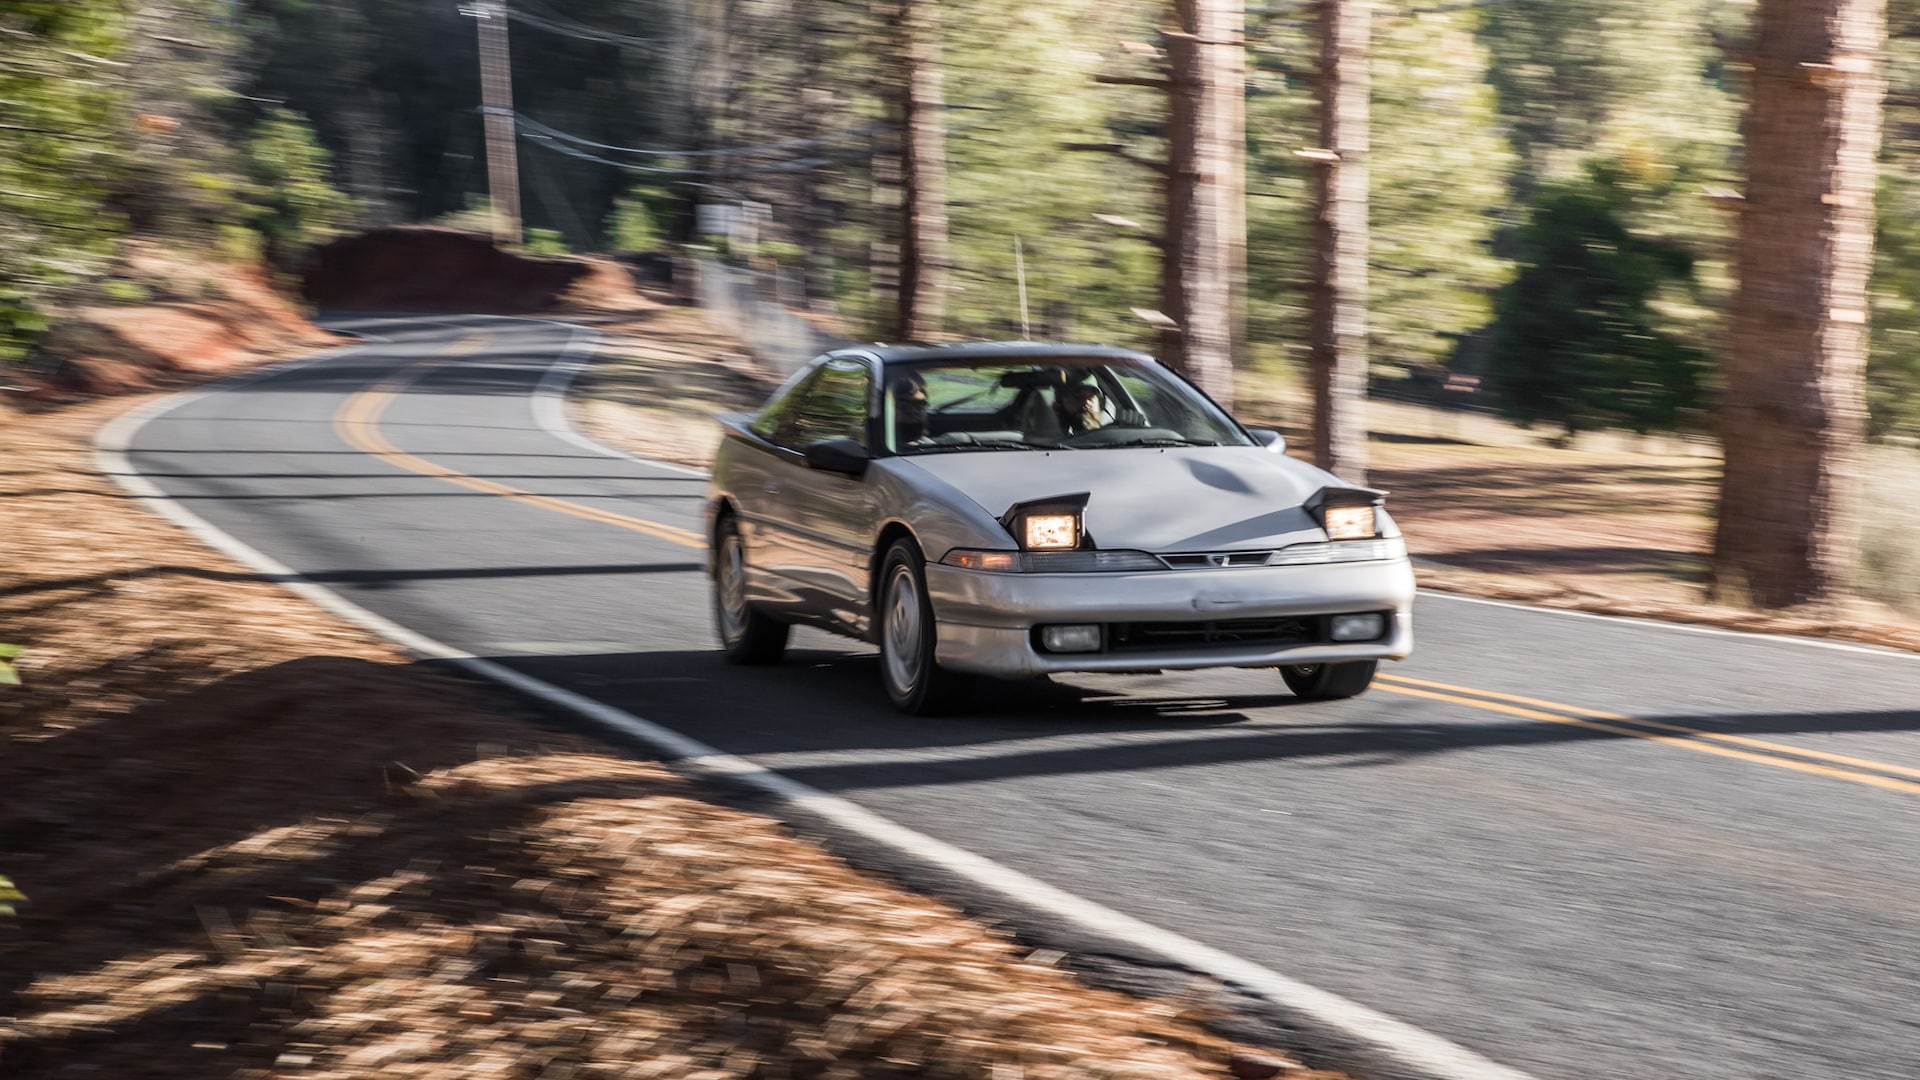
1549,212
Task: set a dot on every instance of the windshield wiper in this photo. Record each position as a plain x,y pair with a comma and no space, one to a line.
986,444
1155,440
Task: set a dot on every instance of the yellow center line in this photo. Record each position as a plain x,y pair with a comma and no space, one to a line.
1739,740
358,423
1689,739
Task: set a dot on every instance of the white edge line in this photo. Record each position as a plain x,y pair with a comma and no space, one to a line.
1397,1048
550,400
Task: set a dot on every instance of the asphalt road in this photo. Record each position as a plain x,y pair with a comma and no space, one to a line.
1580,847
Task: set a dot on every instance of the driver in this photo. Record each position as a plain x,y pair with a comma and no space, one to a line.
909,391
1080,406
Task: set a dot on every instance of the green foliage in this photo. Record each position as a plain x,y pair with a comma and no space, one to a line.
1622,116
390,89
1893,365
8,676
61,154
292,204
1021,83
9,896
546,242
120,119
632,225
1440,169
1578,341
121,291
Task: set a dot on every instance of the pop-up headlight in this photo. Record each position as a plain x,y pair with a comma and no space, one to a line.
1050,524
1050,532
1347,513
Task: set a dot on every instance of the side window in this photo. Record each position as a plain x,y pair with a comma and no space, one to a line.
783,405
831,405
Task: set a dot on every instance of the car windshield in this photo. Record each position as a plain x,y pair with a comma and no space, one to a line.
1064,404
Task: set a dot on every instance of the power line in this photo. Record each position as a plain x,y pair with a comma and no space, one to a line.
537,128
557,24
740,170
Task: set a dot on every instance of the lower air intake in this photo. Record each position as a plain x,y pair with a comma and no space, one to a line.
1214,634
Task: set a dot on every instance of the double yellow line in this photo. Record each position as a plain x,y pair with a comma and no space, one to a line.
358,423
1779,755
358,420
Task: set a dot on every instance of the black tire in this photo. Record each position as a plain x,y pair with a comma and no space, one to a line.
908,636
747,636
1329,682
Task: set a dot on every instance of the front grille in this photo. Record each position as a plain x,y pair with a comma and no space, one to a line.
1212,634
1216,559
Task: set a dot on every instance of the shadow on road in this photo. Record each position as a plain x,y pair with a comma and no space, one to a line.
822,718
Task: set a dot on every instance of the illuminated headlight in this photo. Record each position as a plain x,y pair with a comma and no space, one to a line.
1350,523
1368,627
1050,532
1071,638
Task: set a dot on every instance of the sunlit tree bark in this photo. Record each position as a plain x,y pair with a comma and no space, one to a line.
1337,323
1206,60
923,248
1794,417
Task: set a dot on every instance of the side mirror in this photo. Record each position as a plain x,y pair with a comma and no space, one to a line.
1272,440
842,456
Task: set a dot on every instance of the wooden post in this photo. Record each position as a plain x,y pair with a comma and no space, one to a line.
496,92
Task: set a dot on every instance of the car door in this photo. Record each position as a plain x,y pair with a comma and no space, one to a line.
820,522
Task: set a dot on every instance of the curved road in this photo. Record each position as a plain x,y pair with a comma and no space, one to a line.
1576,846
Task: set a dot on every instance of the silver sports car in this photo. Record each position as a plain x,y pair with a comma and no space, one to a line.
1020,509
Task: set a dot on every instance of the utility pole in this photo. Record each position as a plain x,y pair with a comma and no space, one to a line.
496,105
1338,322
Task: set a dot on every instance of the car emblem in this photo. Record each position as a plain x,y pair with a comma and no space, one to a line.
1216,560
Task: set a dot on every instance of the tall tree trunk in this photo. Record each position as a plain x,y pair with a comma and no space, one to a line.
1794,418
923,247
1206,58
1233,94
1338,318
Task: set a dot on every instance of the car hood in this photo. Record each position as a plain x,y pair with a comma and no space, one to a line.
1203,498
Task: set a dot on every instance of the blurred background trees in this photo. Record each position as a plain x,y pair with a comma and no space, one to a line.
1553,204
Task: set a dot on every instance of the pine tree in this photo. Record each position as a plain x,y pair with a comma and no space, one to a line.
1794,414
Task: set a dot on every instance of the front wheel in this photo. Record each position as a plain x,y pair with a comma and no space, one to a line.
908,635
747,636
1329,682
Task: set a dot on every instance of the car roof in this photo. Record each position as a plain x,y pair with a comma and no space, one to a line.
989,350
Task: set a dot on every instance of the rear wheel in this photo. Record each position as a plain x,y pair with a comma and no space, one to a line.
908,635
746,636
1329,682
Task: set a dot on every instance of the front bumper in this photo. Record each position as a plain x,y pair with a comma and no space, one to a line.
986,620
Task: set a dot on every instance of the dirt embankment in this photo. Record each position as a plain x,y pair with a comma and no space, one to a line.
176,320
180,320
419,268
